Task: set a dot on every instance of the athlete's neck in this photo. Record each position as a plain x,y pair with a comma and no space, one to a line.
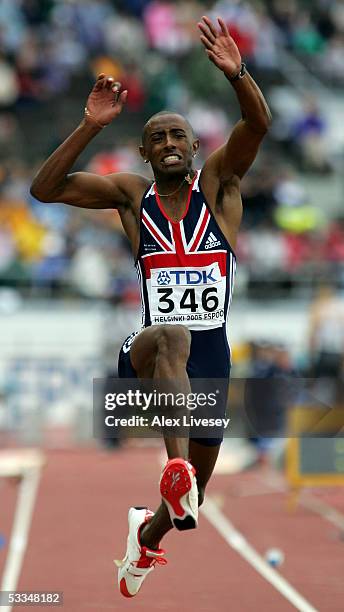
175,203
169,186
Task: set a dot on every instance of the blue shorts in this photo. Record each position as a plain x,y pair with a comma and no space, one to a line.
209,358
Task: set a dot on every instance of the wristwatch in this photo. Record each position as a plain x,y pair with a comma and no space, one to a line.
240,74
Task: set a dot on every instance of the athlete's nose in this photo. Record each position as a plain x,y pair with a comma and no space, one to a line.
169,144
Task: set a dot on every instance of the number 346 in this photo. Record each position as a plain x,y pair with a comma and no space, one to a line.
188,301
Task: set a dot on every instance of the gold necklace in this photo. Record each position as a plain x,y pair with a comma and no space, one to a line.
186,178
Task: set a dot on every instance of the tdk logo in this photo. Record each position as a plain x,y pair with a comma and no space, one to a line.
187,277
164,278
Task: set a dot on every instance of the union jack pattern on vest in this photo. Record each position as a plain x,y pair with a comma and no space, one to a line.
185,268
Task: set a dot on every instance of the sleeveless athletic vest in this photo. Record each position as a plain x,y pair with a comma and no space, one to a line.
185,268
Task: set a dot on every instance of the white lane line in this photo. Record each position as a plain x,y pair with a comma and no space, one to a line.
307,500
236,540
28,489
320,507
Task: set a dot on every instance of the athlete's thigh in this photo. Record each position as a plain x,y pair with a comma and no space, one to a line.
203,458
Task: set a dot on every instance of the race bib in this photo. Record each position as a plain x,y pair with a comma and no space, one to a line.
191,296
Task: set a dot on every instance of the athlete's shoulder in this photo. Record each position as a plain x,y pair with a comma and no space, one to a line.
132,184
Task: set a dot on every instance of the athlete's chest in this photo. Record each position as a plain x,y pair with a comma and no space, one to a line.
195,233
185,265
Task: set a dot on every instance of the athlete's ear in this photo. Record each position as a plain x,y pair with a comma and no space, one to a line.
195,147
143,154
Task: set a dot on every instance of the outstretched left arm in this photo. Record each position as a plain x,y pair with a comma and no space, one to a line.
238,154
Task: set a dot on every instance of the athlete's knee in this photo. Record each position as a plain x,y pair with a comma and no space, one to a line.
173,341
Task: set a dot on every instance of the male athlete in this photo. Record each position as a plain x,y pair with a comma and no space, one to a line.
186,222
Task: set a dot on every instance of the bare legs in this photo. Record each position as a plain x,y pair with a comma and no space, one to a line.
161,353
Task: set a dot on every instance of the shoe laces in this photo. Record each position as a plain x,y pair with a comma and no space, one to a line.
150,557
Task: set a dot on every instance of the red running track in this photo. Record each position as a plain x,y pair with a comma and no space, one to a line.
80,526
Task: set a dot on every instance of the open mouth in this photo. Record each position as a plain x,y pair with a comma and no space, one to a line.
171,159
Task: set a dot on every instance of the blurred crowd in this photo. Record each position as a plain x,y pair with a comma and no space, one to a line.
49,47
43,43
285,240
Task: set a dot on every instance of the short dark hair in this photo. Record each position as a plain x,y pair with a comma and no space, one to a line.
165,112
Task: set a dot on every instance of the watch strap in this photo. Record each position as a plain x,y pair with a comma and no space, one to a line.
240,74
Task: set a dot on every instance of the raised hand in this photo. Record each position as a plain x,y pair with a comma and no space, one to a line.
105,101
220,46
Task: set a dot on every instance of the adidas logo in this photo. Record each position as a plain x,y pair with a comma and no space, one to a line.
212,241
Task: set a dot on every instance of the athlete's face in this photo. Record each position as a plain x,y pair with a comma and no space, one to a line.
169,145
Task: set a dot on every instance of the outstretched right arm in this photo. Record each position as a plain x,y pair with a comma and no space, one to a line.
53,183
